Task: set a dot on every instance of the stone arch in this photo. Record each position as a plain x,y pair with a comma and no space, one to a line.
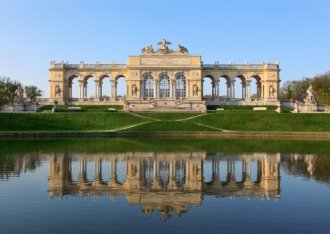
90,86
105,84
120,87
178,73
239,90
223,86
164,85
147,86
208,87
255,87
73,85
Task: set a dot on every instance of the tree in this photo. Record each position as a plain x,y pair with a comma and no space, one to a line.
321,86
296,89
8,90
32,93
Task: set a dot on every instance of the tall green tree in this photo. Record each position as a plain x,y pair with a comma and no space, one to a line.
8,90
321,85
32,93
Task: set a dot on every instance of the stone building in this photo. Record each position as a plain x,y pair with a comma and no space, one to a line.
166,80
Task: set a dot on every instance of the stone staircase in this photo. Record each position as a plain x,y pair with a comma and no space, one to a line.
167,106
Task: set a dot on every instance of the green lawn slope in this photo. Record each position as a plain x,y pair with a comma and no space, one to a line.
238,120
67,121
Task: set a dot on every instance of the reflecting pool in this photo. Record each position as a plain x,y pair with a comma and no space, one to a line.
164,186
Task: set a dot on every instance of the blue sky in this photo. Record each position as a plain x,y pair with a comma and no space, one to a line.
35,32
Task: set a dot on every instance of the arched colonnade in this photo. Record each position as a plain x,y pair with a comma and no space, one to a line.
250,87
98,91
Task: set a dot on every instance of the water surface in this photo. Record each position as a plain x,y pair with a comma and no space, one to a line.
164,186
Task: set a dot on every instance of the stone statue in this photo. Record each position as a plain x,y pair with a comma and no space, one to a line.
182,50
19,94
57,90
164,48
134,90
147,50
310,96
126,105
195,90
164,44
271,91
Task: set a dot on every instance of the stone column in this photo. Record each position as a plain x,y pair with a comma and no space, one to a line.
141,90
85,89
228,90
217,83
187,88
96,94
174,89
100,87
51,91
113,90
81,89
171,88
248,95
243,93
258,90
233,89
156,89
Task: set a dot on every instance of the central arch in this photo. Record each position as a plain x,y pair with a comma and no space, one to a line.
164,86
148,86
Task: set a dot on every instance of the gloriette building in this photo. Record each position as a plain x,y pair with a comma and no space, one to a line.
166,80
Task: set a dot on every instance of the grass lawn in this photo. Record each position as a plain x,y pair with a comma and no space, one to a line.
239,120
66,121
265,121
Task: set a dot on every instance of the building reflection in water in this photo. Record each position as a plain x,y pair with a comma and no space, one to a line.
166,182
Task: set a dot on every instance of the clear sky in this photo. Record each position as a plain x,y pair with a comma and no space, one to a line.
35,32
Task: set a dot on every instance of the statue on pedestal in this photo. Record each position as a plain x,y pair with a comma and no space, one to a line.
310,97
